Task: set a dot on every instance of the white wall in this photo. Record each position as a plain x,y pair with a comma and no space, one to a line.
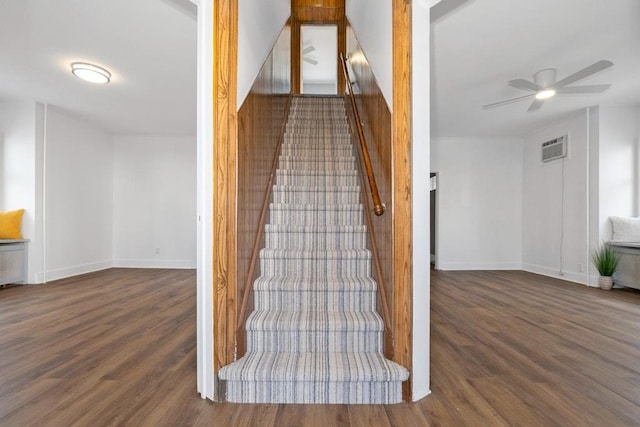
2,178
618,165
61,170
154,201
22,148
420,233
479,212
17,125
205,321
372,24
259,24
555,217
561,223
78,196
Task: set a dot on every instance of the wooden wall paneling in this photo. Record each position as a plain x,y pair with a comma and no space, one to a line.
318,10
402,214
224,133
376,119
260,121
232,189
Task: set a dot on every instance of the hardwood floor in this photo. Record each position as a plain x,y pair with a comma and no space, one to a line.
118,347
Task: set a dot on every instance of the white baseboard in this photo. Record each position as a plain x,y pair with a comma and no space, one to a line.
455,266
61,273
570,276
155,263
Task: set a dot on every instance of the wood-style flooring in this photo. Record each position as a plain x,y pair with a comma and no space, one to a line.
118,347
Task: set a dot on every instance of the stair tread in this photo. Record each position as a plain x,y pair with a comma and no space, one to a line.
315,207
316,321
327,284
282,366
313,253
293,228
305,172
329,157
316,188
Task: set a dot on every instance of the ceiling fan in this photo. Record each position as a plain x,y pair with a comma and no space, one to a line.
305,55
545,86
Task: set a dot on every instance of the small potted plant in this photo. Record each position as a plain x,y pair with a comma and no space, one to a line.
606,261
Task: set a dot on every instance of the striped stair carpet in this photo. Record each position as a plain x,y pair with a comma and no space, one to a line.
315,336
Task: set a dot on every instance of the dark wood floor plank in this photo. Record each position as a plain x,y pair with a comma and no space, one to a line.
368,415
118,347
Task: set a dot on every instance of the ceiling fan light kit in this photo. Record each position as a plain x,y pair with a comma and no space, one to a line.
545,93
545,86
545,78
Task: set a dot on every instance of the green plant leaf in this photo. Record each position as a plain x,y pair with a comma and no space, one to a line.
606,260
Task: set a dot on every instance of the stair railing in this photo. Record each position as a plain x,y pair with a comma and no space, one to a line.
242,314
378,208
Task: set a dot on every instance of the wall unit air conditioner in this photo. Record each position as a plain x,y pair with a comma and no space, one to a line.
555,148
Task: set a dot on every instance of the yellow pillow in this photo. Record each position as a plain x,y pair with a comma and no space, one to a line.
11,224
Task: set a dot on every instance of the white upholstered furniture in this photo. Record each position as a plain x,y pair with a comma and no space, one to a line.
13,261
625,240
628,272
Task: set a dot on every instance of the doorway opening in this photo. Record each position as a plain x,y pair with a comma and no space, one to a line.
433,188
319,65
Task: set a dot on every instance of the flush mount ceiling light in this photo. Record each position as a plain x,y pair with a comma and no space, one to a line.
90,72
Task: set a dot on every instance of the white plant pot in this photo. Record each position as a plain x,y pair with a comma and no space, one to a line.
605,282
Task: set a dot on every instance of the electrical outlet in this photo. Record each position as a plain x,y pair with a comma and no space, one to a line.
157,251
580,268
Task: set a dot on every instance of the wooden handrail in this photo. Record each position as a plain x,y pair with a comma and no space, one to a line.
378,206
261,225
366,164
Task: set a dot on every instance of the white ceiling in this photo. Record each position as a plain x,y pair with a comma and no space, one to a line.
479,45
148,45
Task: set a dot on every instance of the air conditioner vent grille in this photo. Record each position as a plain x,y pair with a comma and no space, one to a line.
555,149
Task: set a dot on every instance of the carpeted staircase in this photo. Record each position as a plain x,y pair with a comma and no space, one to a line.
315,335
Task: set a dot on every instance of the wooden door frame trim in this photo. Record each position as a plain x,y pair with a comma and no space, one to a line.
225,28
296,48
401,132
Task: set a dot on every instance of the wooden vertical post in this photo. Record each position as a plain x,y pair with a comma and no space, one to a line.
402,213
295,56
224,187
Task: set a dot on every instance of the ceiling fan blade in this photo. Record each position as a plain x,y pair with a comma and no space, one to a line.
308,49
536,104
584,73
310,61
584,89
524,84
508,101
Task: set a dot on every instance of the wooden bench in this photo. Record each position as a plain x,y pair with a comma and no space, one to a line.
14,259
